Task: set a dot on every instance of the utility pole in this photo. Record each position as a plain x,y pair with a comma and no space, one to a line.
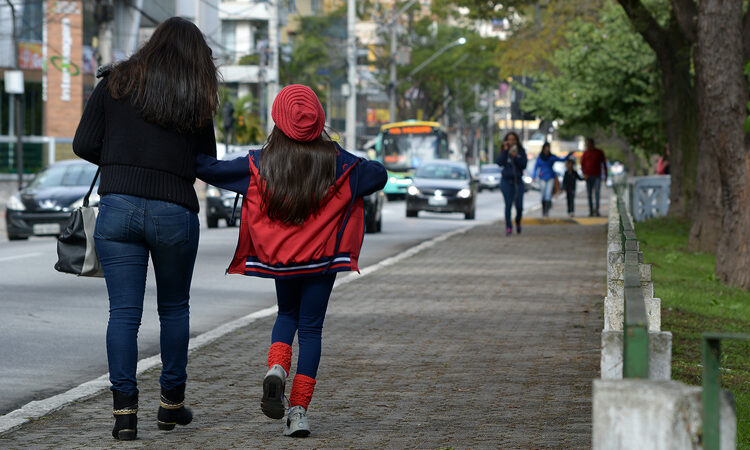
351,59
491,127
17,92
103,15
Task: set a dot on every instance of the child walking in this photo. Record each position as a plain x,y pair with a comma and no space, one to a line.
569,184
302,222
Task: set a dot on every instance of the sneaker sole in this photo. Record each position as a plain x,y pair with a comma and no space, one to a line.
299,433
272,404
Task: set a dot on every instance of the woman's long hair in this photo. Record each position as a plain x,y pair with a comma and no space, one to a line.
297,176
172,79
542,154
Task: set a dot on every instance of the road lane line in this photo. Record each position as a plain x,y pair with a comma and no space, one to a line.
40,408
25,255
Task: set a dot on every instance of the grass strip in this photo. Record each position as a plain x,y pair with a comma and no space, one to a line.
694,301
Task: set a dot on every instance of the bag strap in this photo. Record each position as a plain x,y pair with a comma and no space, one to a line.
234,209
91,189
340,234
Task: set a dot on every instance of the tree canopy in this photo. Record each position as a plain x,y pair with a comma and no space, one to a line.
605,77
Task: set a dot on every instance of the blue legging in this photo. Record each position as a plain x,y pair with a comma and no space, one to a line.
302,308
512,194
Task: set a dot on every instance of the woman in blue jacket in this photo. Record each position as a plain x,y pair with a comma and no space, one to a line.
544,172
512,160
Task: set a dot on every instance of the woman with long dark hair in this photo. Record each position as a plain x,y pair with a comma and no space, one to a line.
544,171
144,124
513,160
302,222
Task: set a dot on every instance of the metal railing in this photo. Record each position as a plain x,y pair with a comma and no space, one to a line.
711,395
635,326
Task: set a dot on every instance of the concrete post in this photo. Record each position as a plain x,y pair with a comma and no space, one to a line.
654,415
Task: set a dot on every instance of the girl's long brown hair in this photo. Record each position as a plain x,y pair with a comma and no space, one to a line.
172,79
297,176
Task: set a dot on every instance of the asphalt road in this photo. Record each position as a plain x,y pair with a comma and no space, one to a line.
53,325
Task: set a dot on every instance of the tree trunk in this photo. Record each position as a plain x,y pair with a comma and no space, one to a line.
705,215
681,122
722,96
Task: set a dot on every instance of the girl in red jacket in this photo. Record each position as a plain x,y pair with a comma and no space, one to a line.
302,222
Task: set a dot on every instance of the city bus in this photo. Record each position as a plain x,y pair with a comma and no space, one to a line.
403,146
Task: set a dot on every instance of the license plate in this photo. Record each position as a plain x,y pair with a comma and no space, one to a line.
437,201
46,228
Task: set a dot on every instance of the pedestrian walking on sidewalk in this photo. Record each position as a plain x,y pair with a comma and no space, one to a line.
512,160
144,124
543,170
594,168
570,179
302,222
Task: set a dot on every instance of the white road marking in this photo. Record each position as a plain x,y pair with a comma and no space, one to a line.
40,408
25,255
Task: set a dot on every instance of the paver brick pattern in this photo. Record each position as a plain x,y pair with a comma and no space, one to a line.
480,341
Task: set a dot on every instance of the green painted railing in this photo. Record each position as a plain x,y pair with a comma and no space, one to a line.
635,326
712,387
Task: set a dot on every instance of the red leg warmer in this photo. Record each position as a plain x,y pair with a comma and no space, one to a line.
302,391
280,353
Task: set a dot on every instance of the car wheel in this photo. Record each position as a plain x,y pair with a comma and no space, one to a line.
470,215
16,237
370,226
212,222
412,212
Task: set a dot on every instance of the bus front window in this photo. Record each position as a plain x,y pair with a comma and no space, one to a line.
407,151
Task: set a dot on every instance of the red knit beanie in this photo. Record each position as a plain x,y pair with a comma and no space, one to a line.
298,113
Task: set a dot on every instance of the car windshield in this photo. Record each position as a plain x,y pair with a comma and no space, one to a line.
65,175
490,169
442,172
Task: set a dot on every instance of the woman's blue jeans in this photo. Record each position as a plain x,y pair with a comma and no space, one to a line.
302,308
547,187
128,229
512,194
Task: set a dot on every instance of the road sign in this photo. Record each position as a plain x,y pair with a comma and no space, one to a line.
14,82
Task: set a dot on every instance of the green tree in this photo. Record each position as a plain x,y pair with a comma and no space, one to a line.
606,77
247,129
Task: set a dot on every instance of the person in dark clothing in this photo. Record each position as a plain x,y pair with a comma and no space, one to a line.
569,185
512,160
144,125
594,168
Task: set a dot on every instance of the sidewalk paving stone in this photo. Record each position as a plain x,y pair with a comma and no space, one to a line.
480,341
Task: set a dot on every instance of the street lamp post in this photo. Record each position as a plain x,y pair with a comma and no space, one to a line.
392,85
456,43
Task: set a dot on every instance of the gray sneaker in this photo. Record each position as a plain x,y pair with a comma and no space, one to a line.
296,422
274,402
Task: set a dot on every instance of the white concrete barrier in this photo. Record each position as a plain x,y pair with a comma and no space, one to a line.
659,355
656,415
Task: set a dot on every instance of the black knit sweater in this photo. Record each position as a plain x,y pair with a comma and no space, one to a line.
137,157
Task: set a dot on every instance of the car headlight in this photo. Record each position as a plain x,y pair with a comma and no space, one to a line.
212,191
15,203
93,201
464,193
393,180
412,190
527,179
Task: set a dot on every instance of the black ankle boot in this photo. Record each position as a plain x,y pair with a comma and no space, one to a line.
172,409
126,421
